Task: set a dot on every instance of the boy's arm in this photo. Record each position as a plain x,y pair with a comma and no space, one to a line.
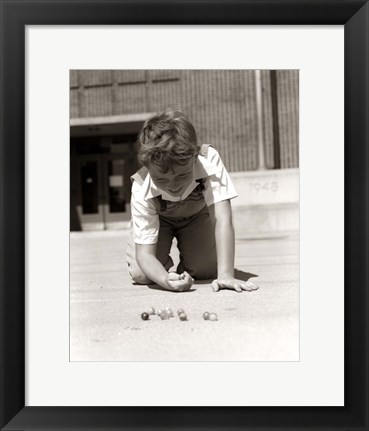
224,237
225,243
155,271
146,225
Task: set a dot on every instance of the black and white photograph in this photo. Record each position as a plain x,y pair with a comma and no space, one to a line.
205,229
184,215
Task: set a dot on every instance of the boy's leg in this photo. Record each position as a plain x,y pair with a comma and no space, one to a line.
196,244
162,253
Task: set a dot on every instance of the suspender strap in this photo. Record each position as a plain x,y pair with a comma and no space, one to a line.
160,203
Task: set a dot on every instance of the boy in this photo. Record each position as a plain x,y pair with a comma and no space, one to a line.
182,191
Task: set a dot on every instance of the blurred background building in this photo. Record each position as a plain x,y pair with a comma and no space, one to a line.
251,117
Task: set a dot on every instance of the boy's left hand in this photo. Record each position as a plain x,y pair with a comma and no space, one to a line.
233,283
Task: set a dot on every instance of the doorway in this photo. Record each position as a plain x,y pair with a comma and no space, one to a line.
103,157
101,191
103,199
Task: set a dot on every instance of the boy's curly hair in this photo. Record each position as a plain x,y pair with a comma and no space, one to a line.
166,139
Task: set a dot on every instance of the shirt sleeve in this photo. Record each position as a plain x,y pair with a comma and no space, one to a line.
145,220
219,186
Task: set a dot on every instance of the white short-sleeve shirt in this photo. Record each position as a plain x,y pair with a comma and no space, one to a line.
145,219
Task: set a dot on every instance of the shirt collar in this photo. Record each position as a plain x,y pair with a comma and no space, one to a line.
202,169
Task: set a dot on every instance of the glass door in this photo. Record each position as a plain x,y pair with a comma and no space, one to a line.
116,190
89,207
102,191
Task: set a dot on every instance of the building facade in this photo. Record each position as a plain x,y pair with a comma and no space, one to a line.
108,108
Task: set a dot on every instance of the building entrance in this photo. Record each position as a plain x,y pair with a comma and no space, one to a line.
102,180
101,186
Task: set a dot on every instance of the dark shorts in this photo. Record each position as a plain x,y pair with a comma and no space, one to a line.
196,244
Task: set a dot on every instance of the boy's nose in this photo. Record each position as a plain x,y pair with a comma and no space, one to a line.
174,186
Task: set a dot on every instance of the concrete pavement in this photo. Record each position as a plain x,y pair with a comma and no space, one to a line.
105,308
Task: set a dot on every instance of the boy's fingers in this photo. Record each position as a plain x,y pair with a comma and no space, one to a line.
252,286
215,286
237,287
187,276
248,286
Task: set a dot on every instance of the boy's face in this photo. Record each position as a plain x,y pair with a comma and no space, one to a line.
176,180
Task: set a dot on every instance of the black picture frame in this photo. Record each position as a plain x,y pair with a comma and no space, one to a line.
15,16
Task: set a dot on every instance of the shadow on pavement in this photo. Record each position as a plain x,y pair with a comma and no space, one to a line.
157,287
242,275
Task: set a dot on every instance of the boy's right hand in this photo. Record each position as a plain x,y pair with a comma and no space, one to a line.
179,282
